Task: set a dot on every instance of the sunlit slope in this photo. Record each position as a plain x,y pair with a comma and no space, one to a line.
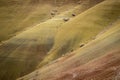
93,61
22,53
106,67
106,59
16,15
82,6
83,28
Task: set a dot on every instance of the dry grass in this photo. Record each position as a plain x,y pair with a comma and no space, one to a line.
83,28
102,53
21,54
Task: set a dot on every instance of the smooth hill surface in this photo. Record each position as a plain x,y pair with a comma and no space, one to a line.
17,15
83,29
105,63
98,60
22,53
59,39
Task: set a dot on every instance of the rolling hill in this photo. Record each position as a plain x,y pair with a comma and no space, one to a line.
98,60
17,15
59,39
83,28
105,63
22,53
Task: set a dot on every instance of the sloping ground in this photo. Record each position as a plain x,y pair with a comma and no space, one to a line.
98,60
104,68
83,6
16,15
83,28
21,54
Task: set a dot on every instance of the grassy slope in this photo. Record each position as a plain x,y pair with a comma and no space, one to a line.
17,15
88,59
104,62
83,28
21,54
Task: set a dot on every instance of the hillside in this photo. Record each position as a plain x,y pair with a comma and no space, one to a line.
17,15
59,39
99,59
22,53
104,61
83,29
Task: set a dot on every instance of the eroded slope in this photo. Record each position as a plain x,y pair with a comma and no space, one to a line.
99,59
21,54
83,28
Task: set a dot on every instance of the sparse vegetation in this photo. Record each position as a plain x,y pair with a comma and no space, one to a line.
82,28
59,39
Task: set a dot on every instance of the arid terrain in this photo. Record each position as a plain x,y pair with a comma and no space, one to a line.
59,39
